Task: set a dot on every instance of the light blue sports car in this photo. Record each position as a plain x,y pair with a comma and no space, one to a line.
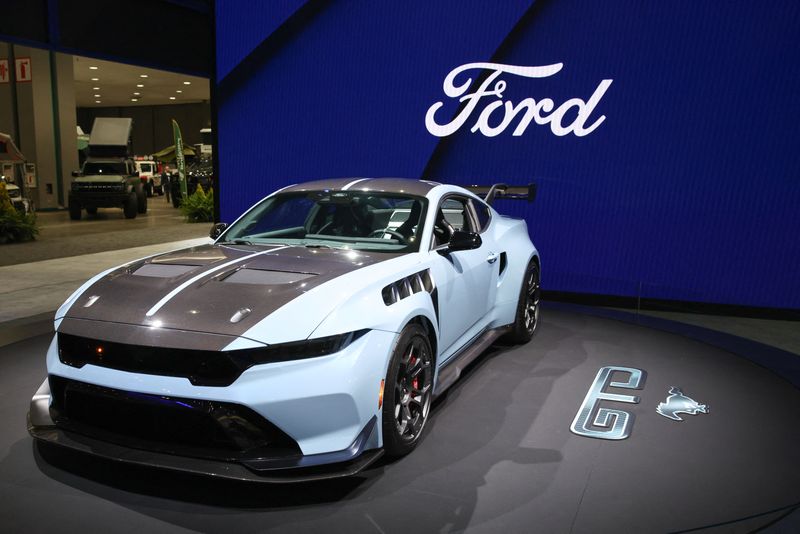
306,341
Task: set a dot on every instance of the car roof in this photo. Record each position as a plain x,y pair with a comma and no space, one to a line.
383,185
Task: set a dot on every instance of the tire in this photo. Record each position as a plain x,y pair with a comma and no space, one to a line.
92,210
408,391
149,189
131,207
74,209
526,322
141,197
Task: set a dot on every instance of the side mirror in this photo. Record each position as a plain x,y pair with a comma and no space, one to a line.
217,230
76,174
462,240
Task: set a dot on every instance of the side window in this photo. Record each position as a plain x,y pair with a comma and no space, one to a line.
456,213
483,214
452,215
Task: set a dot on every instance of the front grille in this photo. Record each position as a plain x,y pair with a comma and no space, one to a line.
201,367
190,427
98,187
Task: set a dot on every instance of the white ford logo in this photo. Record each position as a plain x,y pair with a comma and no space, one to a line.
502,113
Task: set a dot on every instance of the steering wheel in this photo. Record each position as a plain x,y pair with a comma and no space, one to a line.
384,231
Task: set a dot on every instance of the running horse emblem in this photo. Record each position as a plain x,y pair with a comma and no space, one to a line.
677,403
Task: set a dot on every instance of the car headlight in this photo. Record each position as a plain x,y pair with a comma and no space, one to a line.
296,350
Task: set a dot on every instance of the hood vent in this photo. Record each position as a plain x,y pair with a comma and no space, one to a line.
163,270
262,277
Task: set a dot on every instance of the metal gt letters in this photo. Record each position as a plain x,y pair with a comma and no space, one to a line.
608,423
542,112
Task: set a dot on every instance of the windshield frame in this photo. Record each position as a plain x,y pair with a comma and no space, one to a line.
236,232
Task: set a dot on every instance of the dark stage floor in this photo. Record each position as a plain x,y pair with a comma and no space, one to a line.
498,455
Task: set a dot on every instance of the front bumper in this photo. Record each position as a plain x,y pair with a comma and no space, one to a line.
100,199
203,466
283,463
328,407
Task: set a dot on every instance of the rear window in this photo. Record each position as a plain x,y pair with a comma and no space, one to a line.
483,214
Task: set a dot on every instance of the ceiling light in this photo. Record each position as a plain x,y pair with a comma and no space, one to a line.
172,98
134,99
96,101
97,96
95,88
187,83
139,85
93,68
95,79
178,91
137,94
143,76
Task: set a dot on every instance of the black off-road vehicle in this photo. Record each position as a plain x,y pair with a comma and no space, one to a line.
107,183
109,178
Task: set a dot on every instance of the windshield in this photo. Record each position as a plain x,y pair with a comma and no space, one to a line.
145,167
360,220
104,167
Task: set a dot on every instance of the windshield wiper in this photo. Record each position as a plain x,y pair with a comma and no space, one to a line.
316,245
236,242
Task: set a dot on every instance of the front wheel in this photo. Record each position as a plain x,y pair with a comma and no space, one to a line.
141,195
408,391
527,318
131,207
74,209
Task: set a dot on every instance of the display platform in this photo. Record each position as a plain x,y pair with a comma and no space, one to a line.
499,454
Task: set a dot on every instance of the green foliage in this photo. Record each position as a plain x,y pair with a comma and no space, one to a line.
14,226
199,207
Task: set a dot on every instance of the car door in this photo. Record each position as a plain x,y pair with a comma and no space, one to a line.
464,279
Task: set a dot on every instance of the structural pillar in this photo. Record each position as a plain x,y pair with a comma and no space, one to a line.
39,113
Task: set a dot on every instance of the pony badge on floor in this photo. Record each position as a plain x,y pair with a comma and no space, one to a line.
677,403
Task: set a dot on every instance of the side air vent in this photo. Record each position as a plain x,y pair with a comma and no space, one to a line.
503,262
405,287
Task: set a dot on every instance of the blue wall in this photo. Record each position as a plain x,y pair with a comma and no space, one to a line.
688,190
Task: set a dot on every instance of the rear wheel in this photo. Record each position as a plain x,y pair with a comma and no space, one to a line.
408,391
527,319
74,209
141,197
131,207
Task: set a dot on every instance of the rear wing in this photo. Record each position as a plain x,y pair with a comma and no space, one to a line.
511,192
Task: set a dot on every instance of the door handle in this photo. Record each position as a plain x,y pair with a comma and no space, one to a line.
492,257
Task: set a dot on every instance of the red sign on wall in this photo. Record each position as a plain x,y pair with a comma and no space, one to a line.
23,65
4,73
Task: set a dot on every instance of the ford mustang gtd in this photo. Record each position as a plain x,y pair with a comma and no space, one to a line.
306,341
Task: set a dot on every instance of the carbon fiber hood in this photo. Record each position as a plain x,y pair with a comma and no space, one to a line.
201,289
